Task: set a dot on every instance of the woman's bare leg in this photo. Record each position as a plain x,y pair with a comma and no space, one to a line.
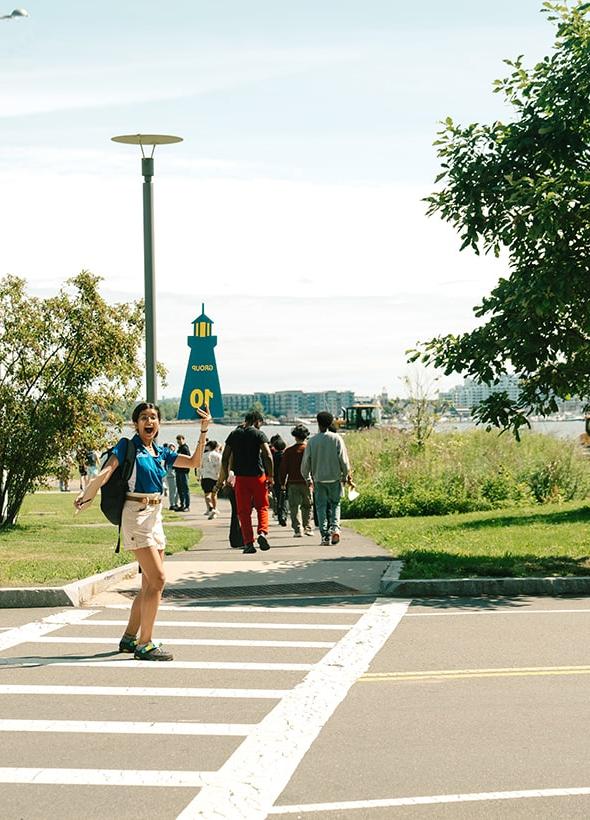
153,581
134,622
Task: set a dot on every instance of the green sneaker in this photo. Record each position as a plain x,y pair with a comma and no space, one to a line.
127,644
152,652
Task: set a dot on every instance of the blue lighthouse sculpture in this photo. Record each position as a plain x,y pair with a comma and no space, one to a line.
201,383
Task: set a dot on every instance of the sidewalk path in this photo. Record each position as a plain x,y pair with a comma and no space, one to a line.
292,567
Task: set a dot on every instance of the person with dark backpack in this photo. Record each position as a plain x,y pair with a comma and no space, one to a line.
137,467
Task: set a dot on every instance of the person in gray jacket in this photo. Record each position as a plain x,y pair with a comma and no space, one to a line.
325,465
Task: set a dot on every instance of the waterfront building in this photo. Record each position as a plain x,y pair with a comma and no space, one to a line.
471,393
289,403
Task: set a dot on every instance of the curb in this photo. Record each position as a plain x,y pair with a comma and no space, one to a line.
391,587
76,593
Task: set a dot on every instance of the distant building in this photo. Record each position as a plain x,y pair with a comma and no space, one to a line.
471,393
289,403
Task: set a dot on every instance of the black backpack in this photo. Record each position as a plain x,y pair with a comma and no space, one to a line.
112,494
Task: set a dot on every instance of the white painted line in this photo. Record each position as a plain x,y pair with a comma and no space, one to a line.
140,691
196,642
29,633
106,777
395,802
294,610
124,727
498,612
255,775
127,665
229,625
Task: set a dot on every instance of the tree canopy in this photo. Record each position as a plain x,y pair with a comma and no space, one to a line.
65,361
522,189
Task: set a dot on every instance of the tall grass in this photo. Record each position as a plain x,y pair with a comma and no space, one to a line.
461,472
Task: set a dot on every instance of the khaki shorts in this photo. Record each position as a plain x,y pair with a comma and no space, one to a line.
141,526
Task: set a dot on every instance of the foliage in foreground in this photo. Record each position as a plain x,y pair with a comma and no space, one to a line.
521,188
461,472
64,362
553,540
51,546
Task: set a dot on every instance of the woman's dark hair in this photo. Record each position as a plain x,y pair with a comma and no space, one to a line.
145,405
300,432
278,443
211,445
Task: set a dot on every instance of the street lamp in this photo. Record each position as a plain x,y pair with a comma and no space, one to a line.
147,169
14,14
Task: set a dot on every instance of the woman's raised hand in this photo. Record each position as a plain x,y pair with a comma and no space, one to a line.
205,418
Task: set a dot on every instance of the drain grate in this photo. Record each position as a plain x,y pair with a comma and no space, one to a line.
266,591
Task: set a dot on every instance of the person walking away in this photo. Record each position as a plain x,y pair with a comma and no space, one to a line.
209,473
325,464
64,473
81,459
247,448
279,497
171,483
91,464
181,475
293,483
141,525
235,531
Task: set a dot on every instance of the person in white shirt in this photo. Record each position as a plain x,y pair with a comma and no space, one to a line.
209,474
326,467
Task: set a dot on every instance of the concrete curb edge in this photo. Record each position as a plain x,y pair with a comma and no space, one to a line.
76,593
392,587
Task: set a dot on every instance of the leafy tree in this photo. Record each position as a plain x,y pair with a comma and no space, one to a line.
64,363
522,188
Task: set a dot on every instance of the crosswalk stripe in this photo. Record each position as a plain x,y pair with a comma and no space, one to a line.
280,741
140,691
130,664
228,625
127,727
436,799
194,642
106,777
33,631
292,610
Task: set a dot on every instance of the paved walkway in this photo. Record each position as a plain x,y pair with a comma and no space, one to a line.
292,567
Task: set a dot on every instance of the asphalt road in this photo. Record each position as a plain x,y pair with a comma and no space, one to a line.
317,709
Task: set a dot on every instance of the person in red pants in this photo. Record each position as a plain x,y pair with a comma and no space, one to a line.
248,451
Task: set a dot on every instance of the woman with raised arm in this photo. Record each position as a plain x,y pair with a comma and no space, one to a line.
141,524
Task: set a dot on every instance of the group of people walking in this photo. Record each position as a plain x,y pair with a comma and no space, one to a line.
317,465
312,469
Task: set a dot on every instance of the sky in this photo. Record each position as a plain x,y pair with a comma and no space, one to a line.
293,207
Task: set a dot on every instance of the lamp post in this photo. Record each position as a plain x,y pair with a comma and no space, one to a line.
147,169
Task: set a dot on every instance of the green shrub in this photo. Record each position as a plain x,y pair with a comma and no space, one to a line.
461,472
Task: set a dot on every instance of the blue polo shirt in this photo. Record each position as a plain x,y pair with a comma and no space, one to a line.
148,470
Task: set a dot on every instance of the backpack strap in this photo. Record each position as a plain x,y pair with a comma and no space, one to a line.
126,470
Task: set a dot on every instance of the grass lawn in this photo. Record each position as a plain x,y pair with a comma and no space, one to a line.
552,539
50,545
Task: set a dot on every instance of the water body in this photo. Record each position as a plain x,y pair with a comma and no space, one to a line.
569,429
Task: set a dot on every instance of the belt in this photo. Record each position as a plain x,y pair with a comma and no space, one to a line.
150,500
